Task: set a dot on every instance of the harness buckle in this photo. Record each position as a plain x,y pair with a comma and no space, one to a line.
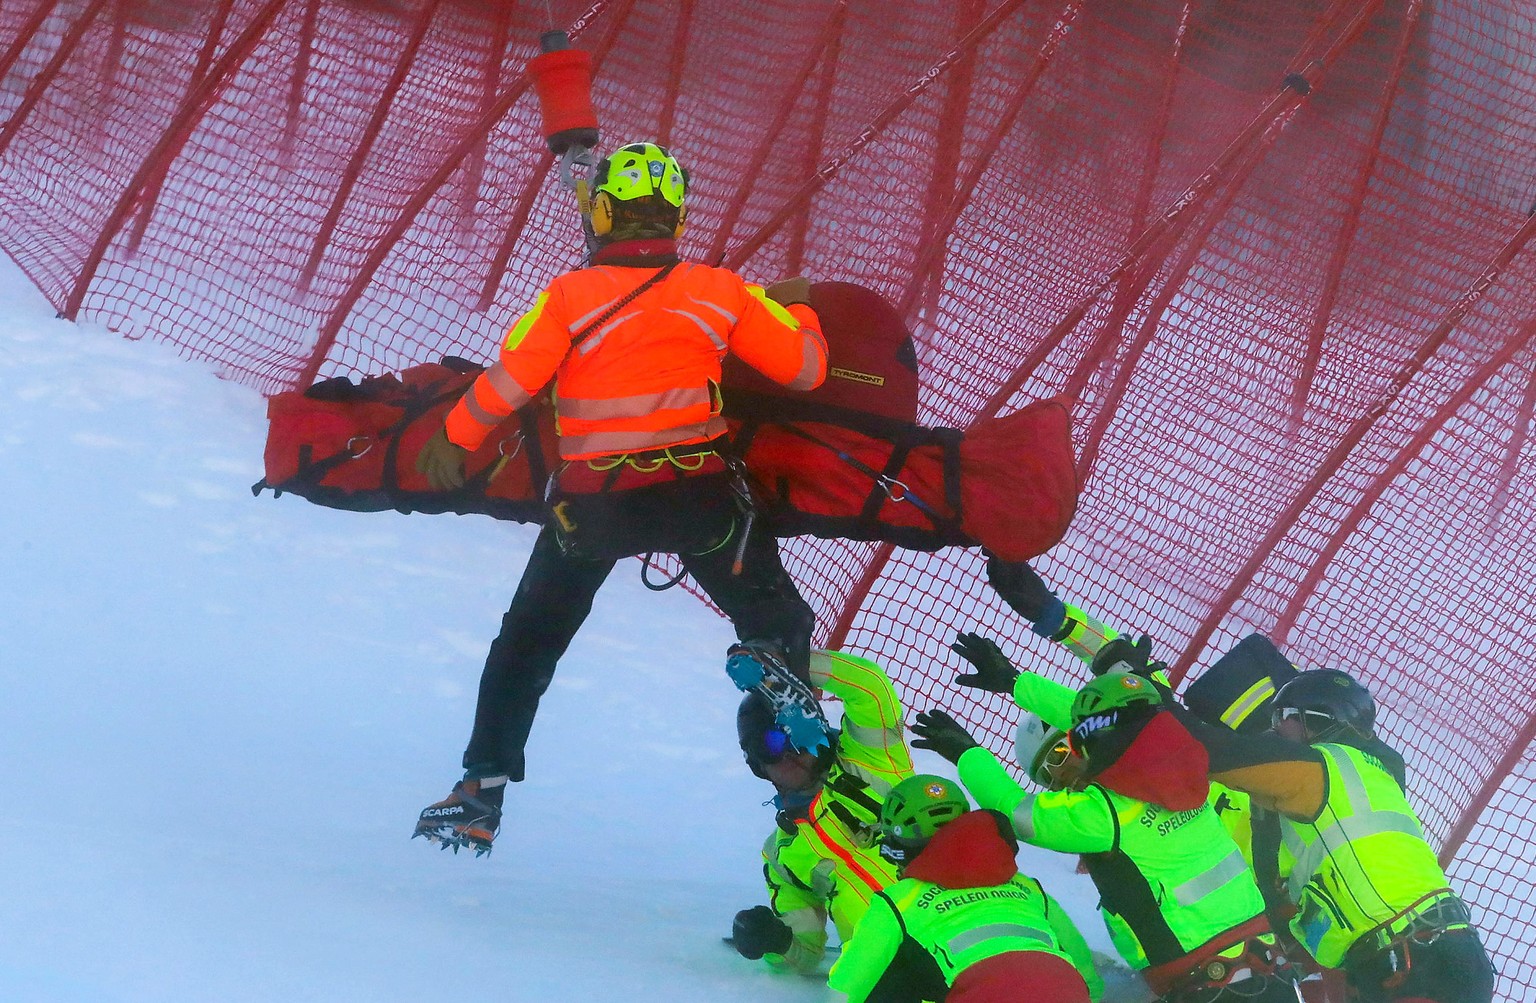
1425,926
558,510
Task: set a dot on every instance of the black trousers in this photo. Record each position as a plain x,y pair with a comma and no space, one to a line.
1453,969
555,595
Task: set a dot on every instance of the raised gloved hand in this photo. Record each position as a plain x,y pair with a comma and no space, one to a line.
441,462
787,291
757,931
1120,655
994,673
938,731
1021,588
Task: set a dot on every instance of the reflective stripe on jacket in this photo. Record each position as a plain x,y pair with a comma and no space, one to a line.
1168,881
1052,703
1362,862
956,927
648,377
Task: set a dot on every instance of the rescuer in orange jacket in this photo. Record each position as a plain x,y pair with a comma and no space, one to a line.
630,350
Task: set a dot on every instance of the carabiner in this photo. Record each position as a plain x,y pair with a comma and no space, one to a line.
898,495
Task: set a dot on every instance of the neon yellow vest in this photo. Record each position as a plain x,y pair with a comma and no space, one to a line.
962,926
1362,863
1197,883
1235,811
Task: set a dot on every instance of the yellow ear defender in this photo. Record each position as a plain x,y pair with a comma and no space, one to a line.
636,171
602,215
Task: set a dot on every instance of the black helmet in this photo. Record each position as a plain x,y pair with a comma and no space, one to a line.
1330,702
764,741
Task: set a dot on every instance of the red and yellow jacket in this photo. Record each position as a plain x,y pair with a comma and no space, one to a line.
648,377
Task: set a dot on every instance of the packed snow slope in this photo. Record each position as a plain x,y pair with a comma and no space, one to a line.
222,714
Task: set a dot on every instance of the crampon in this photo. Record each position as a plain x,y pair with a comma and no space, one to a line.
758,667
468,818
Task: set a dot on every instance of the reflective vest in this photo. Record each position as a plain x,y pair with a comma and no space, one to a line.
1174,881
962,926
1235,810
1363,863
648,376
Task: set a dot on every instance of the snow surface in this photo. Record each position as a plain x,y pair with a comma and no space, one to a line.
222,713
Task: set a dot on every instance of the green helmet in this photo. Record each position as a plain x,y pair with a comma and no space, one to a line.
1114,691
913,811
641,170
1108,702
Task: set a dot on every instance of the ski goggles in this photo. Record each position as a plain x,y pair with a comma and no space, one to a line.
1279,714
775,746
1055,757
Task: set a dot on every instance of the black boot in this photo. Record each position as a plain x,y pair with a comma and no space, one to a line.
468,817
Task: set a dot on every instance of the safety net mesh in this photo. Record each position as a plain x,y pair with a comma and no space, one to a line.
1278,252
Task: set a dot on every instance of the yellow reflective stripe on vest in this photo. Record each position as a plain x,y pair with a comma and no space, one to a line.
967,939
1358,824
959,927
1214,878
1246,704
525,323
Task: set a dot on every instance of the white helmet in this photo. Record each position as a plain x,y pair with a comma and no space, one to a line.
1034,741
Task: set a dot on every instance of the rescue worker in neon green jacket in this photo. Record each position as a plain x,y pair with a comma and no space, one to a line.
1085,636
1176,895
962,925
821,861
1372,898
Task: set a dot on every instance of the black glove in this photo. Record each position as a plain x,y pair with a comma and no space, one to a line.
994,673
1120,655
938,731
1022,589
757,931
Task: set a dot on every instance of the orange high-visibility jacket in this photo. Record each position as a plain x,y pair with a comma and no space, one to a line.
649,377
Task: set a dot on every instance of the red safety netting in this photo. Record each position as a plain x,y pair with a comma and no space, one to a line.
1278,250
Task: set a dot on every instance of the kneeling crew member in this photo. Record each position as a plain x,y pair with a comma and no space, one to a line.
1176,895
962,925
1371,896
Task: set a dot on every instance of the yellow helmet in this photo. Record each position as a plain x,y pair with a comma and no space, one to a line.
640,170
